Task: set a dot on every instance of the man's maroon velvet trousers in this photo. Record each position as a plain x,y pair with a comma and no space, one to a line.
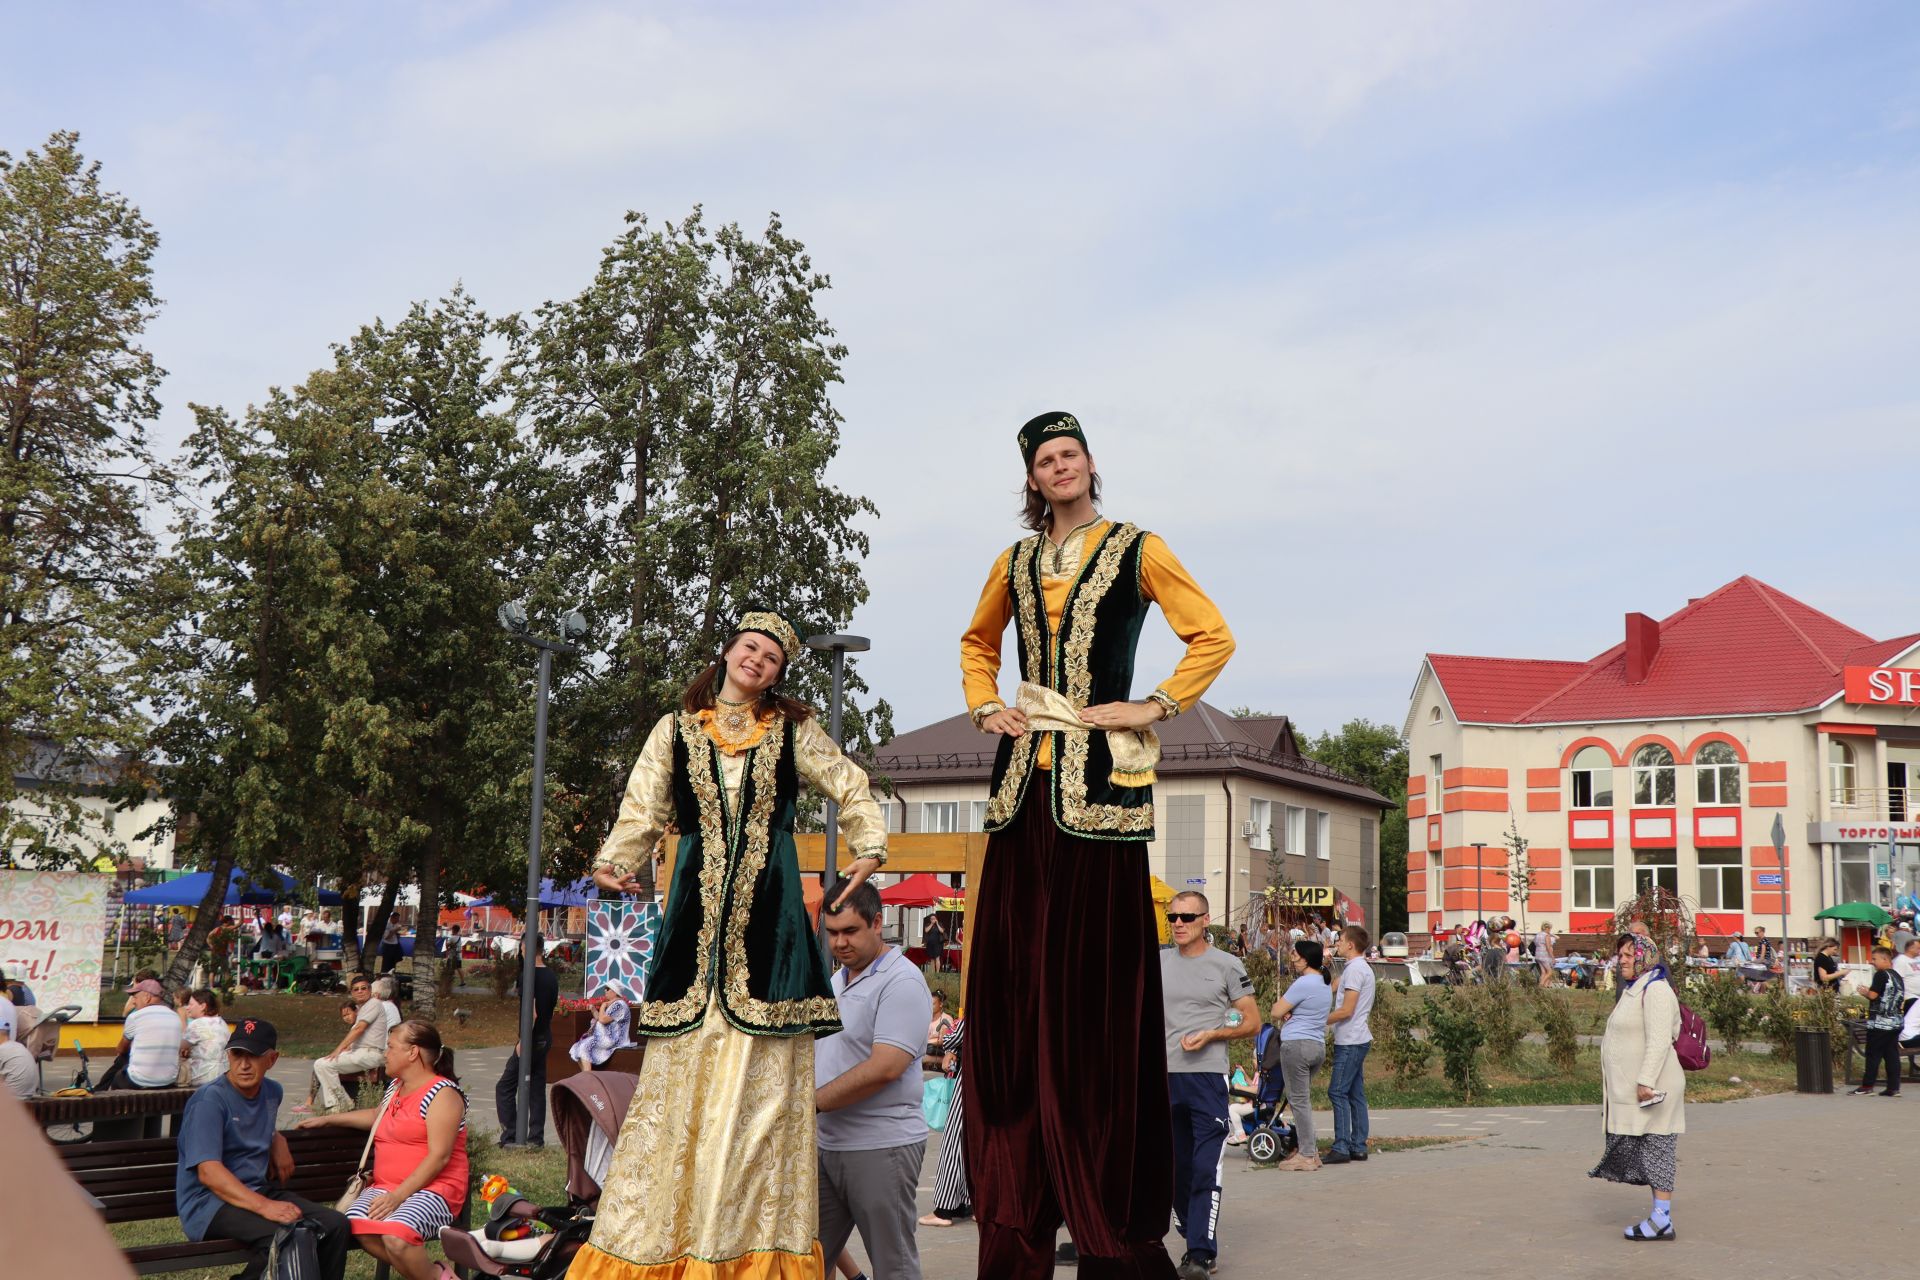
1065,1073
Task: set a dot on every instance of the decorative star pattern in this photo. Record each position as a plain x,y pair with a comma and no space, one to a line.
620,940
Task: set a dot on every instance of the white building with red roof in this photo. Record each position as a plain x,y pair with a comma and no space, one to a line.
1665,760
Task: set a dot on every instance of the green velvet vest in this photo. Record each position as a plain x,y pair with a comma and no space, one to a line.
1090,660
736,925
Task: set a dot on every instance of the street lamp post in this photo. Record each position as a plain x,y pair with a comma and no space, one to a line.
574,626
839,646
1479,882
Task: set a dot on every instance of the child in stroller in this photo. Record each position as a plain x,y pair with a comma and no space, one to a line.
588,1109
1268,1138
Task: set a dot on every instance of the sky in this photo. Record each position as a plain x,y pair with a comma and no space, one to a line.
1451,327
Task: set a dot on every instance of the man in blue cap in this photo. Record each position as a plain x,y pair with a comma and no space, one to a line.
233,1161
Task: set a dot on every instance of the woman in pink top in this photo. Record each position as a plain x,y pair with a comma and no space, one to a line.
419,1155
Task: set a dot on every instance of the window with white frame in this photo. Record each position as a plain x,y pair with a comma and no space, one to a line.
1656,868
977,820
1593,880
1653,776
1722,880
1260,818
1296,830
1716,773
1435,775
1323,827
941,816
1436,881
1841,771
1592,775
886,815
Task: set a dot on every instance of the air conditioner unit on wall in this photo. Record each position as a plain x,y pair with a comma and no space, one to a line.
1249,829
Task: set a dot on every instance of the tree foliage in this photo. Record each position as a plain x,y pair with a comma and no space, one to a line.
1376,754
682,405
76,480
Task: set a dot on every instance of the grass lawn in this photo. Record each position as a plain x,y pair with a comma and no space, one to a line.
310,1025
540,1175
1528,1079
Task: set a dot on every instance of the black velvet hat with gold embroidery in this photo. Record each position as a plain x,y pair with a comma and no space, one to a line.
1048,426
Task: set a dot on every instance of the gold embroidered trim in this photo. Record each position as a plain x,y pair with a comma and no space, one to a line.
734,733
1071,772
1028,611
685,1012
742,1008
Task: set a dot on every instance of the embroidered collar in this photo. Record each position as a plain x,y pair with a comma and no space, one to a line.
1060,560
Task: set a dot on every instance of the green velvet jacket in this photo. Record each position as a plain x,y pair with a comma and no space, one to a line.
736,925
1090,660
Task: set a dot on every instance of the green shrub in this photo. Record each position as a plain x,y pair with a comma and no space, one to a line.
1265,976
1454,1027
1723,1001
1563,1034
1402,1052
1494,1006
1774,1021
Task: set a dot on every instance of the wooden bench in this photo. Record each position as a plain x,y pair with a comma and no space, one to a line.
117,1109
1857,1046
134,1181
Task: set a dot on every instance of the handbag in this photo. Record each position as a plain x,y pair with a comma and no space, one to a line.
363,1175
936,1101
294,1254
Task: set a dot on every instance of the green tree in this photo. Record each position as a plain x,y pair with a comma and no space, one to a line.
76,393
1376,754
685,398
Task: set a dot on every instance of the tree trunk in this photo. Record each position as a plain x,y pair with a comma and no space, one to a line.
212,907
377,927
351,957
426,926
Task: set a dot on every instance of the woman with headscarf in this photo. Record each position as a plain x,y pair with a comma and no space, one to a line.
714,1176
1643,1088
1301,1011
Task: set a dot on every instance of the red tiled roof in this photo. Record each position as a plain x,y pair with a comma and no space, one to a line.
1746,649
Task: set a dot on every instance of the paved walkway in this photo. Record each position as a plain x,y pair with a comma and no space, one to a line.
478,1068
1769,1186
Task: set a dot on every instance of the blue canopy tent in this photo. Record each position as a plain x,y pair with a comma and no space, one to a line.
577,894
191,890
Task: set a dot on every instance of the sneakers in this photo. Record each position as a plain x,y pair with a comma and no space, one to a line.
1066,1255
1859,1093
1297,1163
1336,1156
1889,1093
1192,1268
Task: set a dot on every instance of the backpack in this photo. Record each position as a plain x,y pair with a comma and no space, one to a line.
1690,1045
294,1253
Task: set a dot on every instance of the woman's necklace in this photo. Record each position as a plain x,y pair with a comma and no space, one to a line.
735,720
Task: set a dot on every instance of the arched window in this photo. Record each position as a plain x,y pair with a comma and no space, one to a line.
1434,715
1840,770
1653,775
1592,778
1716,772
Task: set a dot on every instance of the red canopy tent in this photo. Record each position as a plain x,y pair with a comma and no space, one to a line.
919,890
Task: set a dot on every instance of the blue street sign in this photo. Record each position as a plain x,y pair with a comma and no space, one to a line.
1767,878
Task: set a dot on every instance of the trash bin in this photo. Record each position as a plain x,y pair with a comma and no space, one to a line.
1813,1060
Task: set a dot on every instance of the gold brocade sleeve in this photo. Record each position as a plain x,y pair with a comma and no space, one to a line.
980,645
1193,618
827,769
646,808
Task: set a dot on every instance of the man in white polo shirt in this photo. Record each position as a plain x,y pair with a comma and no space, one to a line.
872,1135
151,1038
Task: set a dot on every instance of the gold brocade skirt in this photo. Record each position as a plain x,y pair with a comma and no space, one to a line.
714,1174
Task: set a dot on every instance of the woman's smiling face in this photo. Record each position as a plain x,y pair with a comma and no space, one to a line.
754,662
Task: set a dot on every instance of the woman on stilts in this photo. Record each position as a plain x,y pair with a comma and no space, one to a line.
714,1174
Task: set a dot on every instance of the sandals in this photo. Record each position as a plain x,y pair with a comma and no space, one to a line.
1634,1233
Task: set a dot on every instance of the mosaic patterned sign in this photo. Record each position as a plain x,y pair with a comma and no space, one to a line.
620,938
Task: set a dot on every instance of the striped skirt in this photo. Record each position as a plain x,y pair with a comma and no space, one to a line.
950,1176
417,1220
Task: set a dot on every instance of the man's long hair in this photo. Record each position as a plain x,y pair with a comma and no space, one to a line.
1035,509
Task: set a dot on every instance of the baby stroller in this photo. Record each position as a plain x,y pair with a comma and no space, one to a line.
1269,1138
587,1111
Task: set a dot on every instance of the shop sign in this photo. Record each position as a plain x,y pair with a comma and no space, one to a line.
1863,832
1883,686
1304,895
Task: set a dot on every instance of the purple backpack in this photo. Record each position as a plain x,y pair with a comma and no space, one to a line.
1690,1046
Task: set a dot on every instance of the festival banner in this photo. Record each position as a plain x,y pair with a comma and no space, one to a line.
620,937
52,930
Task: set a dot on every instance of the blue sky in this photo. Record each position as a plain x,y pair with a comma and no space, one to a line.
1461,327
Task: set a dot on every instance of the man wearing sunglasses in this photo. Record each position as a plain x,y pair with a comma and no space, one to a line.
1209,1001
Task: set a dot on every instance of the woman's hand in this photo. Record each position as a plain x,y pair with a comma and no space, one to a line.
853,877
1645,1093
312,1122
613,882
383,1205
1124,715
1011,721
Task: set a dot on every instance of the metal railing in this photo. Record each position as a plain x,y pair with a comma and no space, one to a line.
1886,804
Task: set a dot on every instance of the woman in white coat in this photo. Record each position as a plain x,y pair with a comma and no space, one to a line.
1643,1088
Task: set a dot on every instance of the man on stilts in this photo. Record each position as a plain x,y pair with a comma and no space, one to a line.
1065,1071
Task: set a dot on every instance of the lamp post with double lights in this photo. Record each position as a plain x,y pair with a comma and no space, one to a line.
838,647
574,627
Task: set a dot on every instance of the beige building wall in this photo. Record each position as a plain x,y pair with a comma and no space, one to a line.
109,832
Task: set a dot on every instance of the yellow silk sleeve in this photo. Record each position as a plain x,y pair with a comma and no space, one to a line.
1193,618
646,808
980,645
828,771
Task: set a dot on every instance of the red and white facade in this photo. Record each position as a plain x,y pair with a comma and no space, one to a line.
1667,758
